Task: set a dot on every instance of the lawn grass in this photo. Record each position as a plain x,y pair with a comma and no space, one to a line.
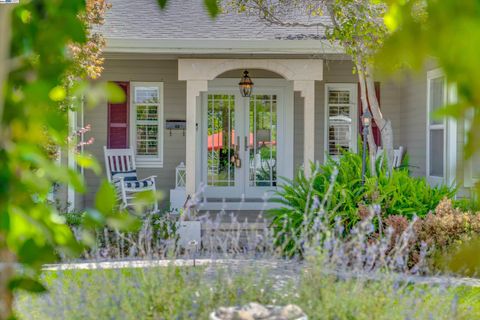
193,292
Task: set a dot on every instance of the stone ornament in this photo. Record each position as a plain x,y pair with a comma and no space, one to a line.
255,311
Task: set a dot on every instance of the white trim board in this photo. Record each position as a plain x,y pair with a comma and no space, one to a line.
219,46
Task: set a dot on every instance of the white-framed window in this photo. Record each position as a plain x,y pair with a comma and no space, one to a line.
341,124
146,123
441,132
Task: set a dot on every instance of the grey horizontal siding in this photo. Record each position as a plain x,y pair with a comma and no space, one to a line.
174,108
413,119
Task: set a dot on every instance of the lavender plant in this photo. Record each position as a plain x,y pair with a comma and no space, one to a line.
343,274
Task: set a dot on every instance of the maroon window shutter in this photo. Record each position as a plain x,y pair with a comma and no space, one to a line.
375,129
118,120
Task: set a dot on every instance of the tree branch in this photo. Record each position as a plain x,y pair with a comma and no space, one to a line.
272,18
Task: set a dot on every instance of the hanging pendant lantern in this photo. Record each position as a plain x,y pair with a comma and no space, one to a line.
246,85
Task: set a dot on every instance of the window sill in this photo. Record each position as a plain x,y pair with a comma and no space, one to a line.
143,163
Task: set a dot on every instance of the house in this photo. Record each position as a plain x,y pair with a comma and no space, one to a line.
178,64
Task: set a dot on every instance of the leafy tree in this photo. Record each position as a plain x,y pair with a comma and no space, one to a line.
87,63
87,57
34,61
448,32
357,25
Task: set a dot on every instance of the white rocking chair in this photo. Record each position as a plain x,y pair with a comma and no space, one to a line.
122,172
397,156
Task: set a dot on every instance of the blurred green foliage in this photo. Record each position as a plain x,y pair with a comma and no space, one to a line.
447,33
32,232
463,259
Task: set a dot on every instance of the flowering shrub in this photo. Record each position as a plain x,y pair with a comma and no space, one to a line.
447,226
442,231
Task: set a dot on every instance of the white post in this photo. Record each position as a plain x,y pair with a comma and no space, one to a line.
194,87
307,90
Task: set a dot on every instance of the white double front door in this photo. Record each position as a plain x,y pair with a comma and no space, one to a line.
247,143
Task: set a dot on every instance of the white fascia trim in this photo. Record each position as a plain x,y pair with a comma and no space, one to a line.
225,46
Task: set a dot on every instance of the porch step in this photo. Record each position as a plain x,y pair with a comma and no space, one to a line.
234,231
237,216
228,226
235,237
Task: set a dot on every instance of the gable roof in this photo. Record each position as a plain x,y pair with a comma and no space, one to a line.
188,19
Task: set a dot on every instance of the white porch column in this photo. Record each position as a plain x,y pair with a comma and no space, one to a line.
194,87
307,90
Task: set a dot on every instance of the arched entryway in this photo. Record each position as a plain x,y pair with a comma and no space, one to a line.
202,76
246,143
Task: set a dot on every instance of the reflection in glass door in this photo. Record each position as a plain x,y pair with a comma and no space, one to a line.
242,144
262,141
221,147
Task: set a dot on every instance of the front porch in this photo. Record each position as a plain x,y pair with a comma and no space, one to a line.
256,132
312,108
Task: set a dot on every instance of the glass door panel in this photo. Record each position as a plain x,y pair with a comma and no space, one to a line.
221,145
262,141
241,144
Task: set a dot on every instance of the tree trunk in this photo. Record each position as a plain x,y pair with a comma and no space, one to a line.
4,50
385,125
6,257
372,147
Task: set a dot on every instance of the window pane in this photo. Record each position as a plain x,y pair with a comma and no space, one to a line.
147,139
146,95
339,96
147,113
476,166
437,151
339,121
437,97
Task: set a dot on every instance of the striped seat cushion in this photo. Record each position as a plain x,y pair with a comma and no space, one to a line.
127,175
139,184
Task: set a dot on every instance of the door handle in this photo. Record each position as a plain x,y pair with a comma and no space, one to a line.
246,143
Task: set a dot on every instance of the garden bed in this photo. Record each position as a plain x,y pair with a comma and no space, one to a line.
194,292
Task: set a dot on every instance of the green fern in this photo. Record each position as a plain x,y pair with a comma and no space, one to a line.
396,193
